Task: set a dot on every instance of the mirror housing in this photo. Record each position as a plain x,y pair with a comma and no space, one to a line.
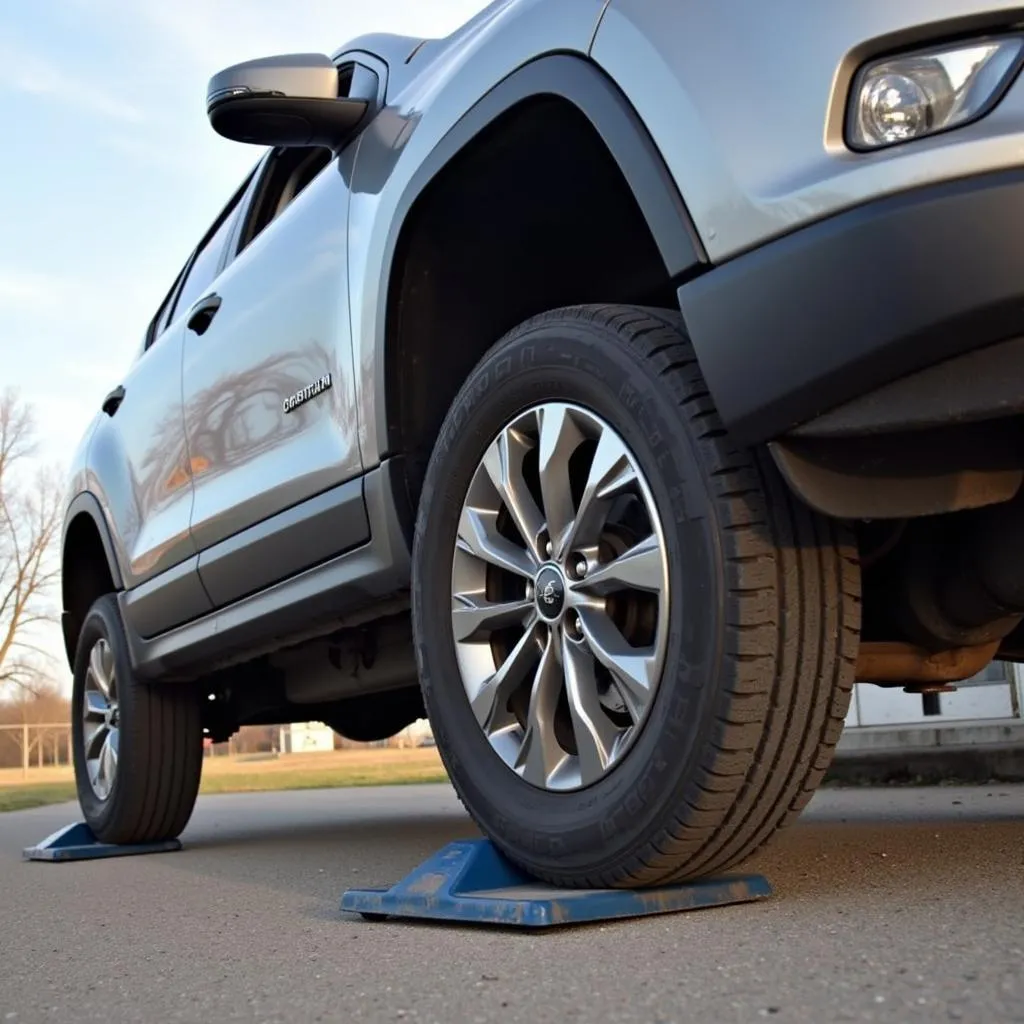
291,100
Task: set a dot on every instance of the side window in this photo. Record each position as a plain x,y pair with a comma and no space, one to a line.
287,174
206,262
159,322
202,266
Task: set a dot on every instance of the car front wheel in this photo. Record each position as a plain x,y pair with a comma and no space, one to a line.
636,645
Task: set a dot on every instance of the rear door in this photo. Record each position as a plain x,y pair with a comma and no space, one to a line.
269,407
139,462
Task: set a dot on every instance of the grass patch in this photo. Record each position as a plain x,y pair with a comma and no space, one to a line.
256,781
21,798
241,775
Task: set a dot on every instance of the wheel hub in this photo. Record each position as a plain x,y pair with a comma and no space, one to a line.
550,590
560,596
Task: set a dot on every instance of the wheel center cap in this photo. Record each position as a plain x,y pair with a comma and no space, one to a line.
550,593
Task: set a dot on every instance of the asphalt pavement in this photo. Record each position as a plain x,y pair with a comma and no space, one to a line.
890,905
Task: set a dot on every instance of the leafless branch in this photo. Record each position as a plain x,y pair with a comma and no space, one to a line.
29,526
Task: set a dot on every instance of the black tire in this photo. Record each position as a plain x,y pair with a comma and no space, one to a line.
765,617
160,756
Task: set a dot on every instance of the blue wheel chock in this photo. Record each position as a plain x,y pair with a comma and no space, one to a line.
471,882
77,842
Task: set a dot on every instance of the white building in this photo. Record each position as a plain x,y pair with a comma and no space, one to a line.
306,738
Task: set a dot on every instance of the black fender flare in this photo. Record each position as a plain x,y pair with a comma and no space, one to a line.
600,100
88,503
581,82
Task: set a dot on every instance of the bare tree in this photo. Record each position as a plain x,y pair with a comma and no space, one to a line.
29,523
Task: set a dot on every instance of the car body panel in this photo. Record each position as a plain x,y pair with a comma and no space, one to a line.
746,102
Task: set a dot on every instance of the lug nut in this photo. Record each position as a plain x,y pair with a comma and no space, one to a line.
573,626
581,568
548,548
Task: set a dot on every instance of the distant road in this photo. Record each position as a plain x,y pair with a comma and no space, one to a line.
891,905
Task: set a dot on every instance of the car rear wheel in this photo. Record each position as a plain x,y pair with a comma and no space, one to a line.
137,747
636,645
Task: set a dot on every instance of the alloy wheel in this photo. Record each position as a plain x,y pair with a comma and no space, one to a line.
100,720
560,596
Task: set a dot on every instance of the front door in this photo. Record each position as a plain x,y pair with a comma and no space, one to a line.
269,411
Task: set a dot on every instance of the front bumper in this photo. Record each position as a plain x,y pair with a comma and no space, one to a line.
836,311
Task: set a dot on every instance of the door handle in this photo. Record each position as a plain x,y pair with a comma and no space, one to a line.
202,313
113,401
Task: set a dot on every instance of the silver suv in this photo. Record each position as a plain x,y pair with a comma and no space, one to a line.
616,382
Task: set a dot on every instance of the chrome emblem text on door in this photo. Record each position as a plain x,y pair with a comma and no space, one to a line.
308,392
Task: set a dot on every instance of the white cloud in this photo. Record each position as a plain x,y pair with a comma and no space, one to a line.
29,73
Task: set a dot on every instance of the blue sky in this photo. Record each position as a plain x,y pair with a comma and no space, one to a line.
111,173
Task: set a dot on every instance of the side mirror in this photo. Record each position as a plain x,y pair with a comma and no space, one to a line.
292,100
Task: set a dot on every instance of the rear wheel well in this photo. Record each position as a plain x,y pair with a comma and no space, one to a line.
85,576
532,215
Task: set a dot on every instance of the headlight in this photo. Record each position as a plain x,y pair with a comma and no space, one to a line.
917,94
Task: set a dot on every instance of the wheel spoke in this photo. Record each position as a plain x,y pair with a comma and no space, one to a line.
479,537
99,668
642,567
632,668
113,751
107,766
504,465
472,616
611,472
94,707
559,438
95,741
594,731
540,754
490,701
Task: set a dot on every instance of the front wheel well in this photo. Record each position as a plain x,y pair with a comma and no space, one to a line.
85,576
533,214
